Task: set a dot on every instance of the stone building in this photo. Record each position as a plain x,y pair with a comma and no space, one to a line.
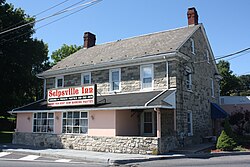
150,93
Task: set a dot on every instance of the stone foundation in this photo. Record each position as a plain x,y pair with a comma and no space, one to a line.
131,145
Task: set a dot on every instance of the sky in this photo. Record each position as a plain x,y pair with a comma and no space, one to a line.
226,23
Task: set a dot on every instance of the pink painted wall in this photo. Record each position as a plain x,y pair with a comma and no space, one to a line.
24,122
229,108
58,122
102,123
125,124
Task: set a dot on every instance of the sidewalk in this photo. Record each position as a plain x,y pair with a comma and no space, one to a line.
110,158
100,157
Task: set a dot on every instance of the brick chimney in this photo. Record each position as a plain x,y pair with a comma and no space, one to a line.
89,40
192,16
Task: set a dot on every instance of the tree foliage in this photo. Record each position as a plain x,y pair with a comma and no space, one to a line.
226,140
241,121
63,52
230,83
21,58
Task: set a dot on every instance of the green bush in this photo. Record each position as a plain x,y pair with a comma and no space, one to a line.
225,142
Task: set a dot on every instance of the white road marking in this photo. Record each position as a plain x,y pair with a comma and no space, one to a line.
63,160
29,158
2,154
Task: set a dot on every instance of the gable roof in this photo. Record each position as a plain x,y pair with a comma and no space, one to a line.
131,48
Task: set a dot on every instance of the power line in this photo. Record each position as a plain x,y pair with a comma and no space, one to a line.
232,54
50,8
47,17
89,5
37,14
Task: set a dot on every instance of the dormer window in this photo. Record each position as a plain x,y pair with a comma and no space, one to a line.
115,79
86,78
192,46
59,82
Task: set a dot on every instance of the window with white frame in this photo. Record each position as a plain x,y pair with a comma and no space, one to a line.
189,123
59,83
115,79
147,76
207,56
43,122
188,78
75,122
192,45
212,87
86,78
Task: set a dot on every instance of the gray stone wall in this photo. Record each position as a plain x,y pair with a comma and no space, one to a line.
160,80
168,140
130,79
199,98
130,145
72,80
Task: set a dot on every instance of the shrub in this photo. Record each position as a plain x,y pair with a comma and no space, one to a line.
225,142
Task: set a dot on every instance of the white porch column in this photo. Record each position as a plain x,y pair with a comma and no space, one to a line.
158,118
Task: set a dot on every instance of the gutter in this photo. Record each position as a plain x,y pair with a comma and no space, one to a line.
94,109
13,110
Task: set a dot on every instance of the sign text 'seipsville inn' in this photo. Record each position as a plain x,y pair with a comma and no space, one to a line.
137,95
85,95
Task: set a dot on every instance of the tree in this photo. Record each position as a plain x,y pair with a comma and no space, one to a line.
245,85
21,58
241,121
230,84
63,52
226,140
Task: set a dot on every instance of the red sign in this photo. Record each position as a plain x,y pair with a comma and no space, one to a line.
72,96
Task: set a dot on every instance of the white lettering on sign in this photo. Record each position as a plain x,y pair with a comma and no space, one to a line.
85,95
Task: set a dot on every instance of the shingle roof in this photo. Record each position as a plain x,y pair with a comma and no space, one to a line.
150,44
131,100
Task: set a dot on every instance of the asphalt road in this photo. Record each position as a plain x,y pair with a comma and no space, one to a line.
8,159
22,160
12,163
224,161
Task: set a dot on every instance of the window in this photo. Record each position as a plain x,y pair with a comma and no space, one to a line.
147,76
75,122
43,122
189,123
59,82
188,78
147,118
192,46
212,87
207,56
115,79
86,78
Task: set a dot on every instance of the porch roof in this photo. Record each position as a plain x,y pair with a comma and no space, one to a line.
140,100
